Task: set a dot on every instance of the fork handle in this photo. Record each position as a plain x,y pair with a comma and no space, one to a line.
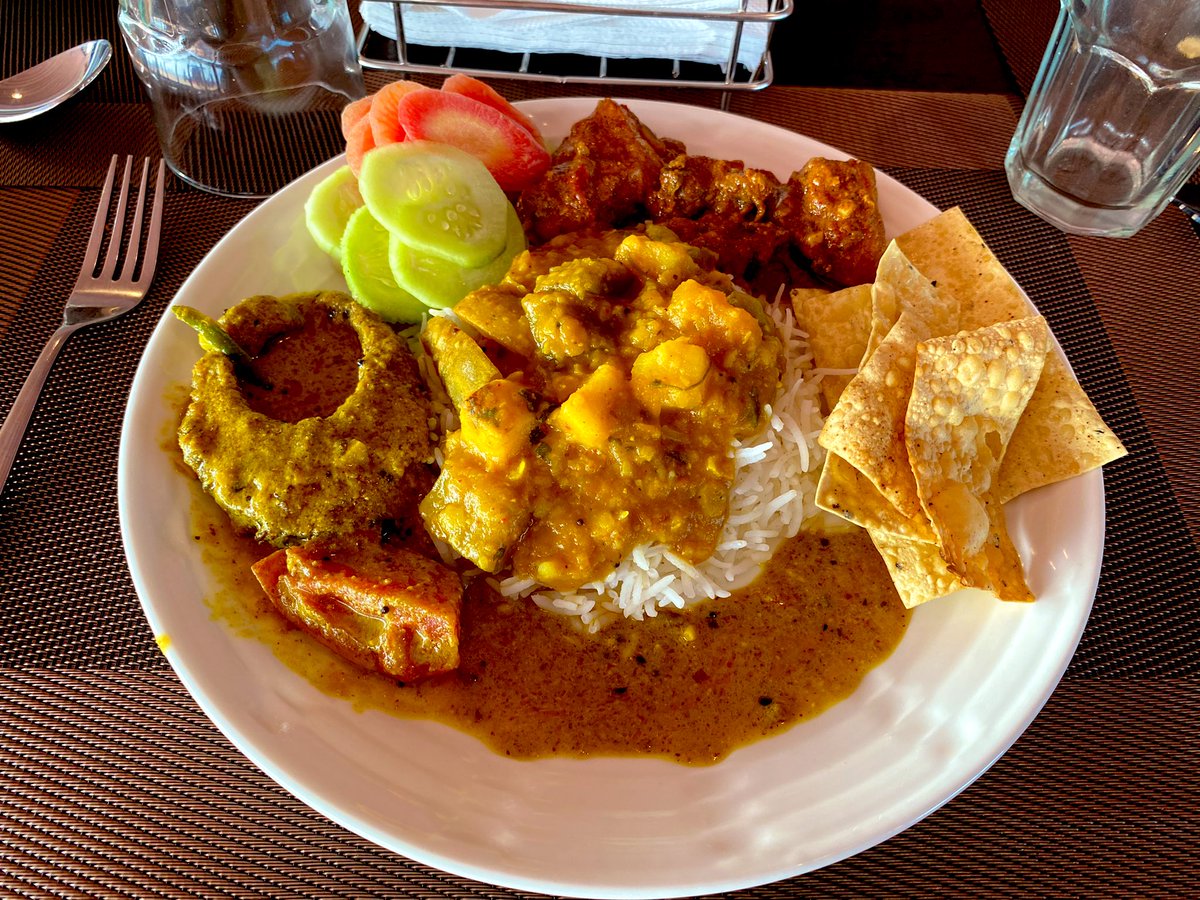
13,429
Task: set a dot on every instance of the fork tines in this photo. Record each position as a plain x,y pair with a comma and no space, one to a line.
133,251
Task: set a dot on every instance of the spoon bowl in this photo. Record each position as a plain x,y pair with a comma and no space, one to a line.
50,82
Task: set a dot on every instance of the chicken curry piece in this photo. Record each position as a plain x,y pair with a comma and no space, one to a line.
634,366
822,225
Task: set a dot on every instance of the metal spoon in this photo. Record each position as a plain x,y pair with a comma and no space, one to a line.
49,83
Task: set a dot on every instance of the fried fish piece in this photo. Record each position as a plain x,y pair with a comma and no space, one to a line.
329,472
376,604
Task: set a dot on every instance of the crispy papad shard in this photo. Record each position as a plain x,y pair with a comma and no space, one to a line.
901,287
917,569
849,494
1061,434
837,325
866,427
968,393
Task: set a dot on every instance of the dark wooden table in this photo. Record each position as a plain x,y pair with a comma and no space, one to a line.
113,783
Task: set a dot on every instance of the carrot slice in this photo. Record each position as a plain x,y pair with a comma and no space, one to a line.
384,126
477,90
358,143
354,112
508,151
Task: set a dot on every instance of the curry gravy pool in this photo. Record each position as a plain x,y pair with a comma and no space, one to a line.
689,686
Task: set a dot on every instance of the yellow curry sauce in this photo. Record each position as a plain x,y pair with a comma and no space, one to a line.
690,686
639,365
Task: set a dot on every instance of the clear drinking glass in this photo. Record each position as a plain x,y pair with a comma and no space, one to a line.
247,94
1112,126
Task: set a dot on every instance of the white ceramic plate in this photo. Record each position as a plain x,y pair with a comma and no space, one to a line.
967,679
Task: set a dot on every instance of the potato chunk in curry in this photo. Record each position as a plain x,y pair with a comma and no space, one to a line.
642,366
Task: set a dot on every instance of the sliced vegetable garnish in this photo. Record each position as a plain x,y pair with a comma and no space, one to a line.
329,207
439,283
368,273
477,90
212,335
385,127
510,152
358,143
437,199
355,112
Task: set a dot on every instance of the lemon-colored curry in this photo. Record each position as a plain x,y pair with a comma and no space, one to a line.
632,366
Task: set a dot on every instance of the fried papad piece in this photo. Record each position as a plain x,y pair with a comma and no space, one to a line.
599,176
837,324
866,427
969,391
898,287
918,571
849,494
832,210
1061,434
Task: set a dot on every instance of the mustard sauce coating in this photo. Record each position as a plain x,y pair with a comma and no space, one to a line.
689,687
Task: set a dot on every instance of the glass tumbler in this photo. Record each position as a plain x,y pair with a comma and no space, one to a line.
247,94
1112,127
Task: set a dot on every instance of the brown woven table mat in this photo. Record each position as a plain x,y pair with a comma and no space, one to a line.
112,782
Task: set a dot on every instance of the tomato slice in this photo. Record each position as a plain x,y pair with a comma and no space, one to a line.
437,199
508,151
477,90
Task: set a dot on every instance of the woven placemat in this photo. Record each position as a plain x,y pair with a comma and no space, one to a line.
106,758
113,782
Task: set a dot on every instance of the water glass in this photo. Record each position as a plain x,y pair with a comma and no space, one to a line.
1112,126
247,95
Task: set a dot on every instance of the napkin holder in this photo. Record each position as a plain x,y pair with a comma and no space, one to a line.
682,43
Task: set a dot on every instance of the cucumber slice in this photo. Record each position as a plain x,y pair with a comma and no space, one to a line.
368,274
437,199
329,207
439,283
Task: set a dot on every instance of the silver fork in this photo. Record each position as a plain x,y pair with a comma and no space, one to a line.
96,297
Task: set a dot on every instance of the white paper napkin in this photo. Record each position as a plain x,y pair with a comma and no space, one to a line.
627,37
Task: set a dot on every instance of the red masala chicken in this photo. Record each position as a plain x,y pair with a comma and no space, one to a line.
612,171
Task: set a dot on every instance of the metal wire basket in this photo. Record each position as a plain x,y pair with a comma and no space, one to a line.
400,53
